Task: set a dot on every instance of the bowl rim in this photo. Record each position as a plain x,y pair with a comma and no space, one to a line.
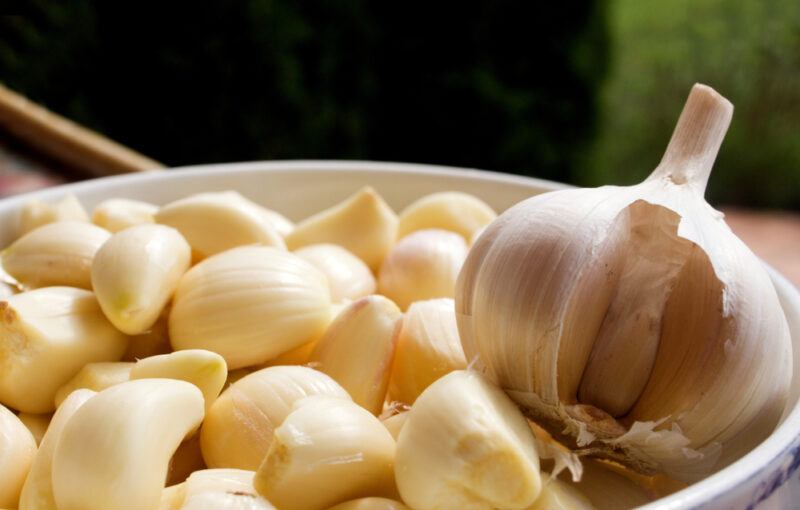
758,464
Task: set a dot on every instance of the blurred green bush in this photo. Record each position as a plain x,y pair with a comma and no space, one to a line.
497,84
748,50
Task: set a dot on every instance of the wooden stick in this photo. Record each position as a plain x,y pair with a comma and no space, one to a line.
66,141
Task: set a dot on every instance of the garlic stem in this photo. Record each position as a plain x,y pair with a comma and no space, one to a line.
696,140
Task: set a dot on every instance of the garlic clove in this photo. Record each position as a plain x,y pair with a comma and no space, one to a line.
58,253
117,214
249,304
423,265
17,450
455,211
624,318
152,342
394,424
466,445
370,504
95,376
46,337
37,493
363,224
135,273
428,348
328,450
220,489
216,222
279,222
558,495
357,350
204,369
36,213
131,430
172,497
608,490
36,423
238,428
348,276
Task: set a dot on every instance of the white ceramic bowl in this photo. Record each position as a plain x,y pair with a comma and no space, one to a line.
300,188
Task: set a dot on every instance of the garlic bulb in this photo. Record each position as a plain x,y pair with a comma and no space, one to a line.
631,320
428,348
357,350
215,222
249,304
457,212
422,265
348,276
363,223
36,213
466,445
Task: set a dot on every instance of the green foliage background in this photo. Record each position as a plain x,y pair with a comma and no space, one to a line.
748,50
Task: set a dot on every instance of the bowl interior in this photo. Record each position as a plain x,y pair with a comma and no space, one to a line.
300,188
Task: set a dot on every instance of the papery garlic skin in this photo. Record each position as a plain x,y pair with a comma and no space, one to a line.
117,214
428,348
466,445
423,265
219,221
17,450
249,304
36,213
327,451
135,273
357,350
46,336
455,211
568,291
59,253
363,224
349,277
237,431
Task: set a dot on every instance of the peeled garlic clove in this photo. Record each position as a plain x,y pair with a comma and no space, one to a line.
249,304
238,428
394,424
172,497
357,350
36,213
222,489
631,319
327,451
37,493
132,430
46,337
17,449
428,348
422,265
371,504
279,222
187,459
457,212
36,423
135,273
607,490
558,495
348,276
117,214
152,342
466,445
363,224
216,222
204,369
58,253
95,376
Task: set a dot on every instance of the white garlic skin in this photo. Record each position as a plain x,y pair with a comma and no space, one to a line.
539,282
422,265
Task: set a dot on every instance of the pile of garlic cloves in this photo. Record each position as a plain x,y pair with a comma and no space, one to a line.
588,348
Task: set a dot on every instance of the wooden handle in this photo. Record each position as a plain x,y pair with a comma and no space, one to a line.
66,141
